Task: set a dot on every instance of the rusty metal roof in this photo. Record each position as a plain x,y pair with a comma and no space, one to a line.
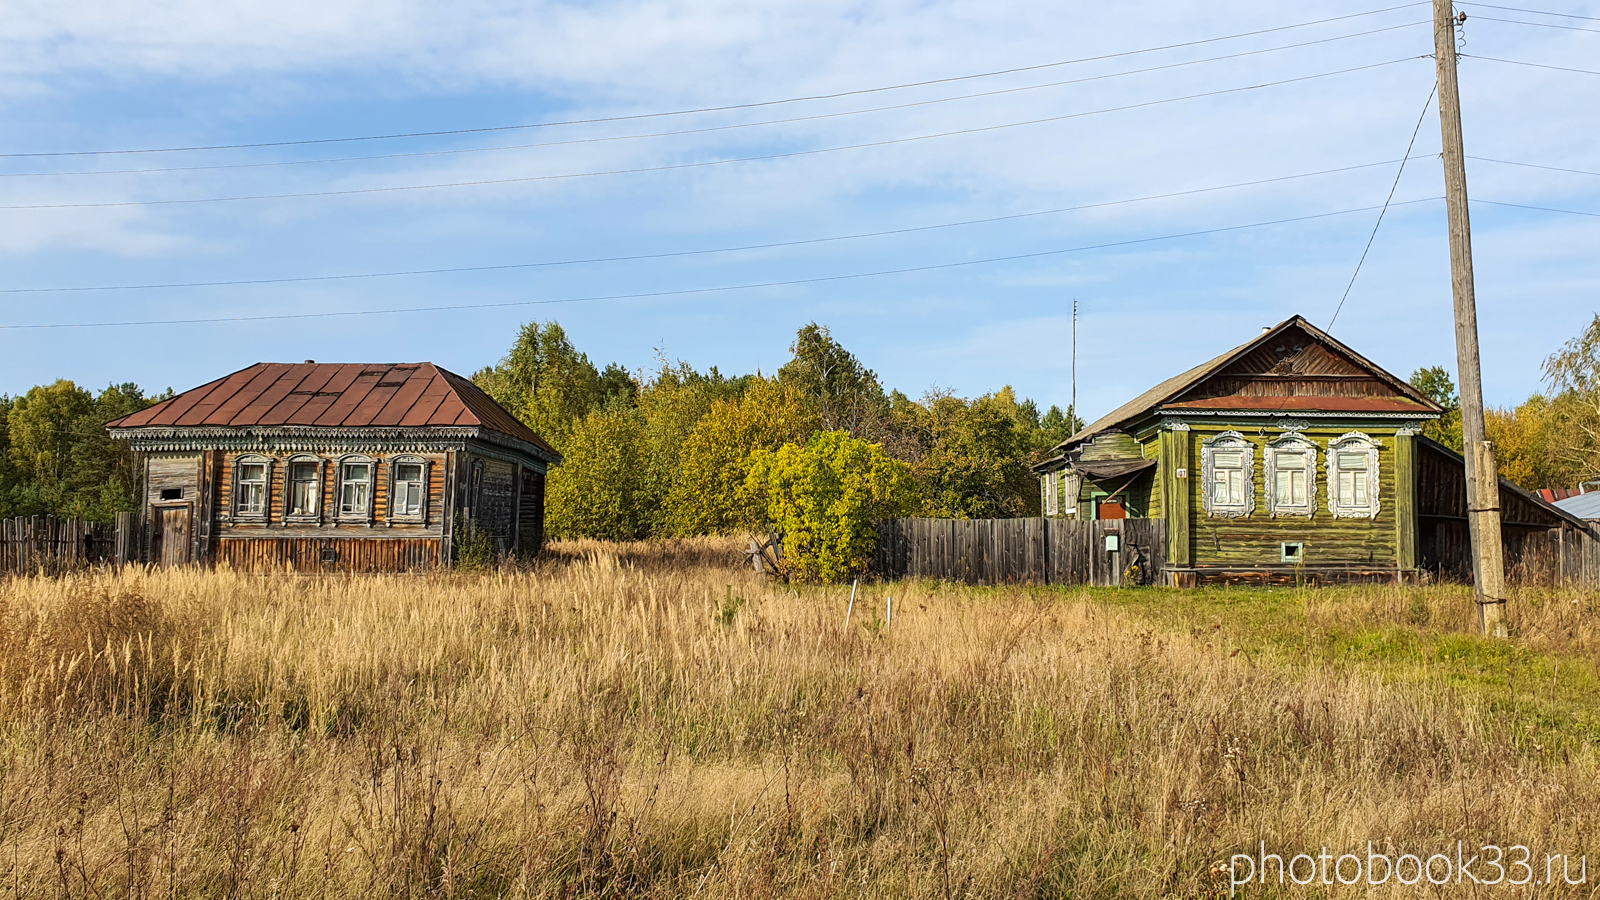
336,395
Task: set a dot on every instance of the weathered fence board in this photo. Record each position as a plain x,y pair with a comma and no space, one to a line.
1020,551
49,544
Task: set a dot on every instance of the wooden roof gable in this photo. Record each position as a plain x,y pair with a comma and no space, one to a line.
1291,367
336,395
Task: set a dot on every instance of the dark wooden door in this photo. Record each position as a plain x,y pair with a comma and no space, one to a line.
1113,509
170,536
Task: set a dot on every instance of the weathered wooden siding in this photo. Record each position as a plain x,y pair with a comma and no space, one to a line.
1329,541
278,486
1533,536
530,518
329,554
1018,551
1112,445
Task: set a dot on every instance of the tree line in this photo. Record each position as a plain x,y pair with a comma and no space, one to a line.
675,451
1550,440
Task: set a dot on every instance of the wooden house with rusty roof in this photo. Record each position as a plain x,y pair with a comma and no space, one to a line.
343,467
1290,457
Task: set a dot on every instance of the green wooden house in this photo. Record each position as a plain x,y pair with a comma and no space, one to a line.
1289,457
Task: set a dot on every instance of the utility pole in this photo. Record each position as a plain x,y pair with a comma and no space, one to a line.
1483,480
1072,411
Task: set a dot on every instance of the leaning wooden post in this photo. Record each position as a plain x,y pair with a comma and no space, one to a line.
1483,507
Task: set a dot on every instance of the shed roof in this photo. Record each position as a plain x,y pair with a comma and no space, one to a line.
1584,506
336,395
1168,393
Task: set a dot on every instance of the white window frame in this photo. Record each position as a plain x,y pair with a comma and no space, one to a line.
1071,489
1052,493
1291,443
239,514
289,515
1353,442
1228,442
421,515
365,516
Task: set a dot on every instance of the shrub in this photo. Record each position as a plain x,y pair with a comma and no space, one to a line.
823,498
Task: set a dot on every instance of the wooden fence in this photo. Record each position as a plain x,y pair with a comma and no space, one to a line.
49,544
1022,551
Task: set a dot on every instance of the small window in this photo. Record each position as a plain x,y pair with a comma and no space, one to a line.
172,493
250,479
1353,477
304,488
1292,552
1291,476
1229,462
355,490
1052,496
408,494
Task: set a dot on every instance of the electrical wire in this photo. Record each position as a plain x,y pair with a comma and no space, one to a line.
1538,24
1392,188
1518,62
684,253
1537,12
1507,162
702,164
710,290
711,109
1570,212
707,130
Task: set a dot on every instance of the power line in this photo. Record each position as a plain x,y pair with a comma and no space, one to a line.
1537,12
683,253
1570,212
1375,225
1518,62
716,162
1539,24
1507,162
711,109
711,129
710,290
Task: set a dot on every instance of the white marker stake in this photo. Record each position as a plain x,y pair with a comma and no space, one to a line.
852,606
888,613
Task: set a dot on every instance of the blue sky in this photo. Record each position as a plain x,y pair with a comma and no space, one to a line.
110,76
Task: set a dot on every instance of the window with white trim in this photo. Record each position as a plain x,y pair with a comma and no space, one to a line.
355,489
1228,466
408,489
303,491
251,477
1353,477
1071,488
1291,476
1052,496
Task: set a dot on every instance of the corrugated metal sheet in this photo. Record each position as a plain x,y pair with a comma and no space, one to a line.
336,395
1584,506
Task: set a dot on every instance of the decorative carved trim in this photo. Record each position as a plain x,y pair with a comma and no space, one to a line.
1296,443
420,517
1175,426
1353,441
1226,441
233,514
340,517
1291,425
1409,429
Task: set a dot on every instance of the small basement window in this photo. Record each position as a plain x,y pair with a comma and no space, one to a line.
1292,552
172,493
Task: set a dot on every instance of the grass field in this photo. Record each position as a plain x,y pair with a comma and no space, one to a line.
652,721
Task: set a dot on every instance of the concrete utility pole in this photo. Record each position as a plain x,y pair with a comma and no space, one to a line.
1483,480
1072,411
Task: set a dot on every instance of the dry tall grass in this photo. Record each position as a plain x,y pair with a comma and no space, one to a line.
668,728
